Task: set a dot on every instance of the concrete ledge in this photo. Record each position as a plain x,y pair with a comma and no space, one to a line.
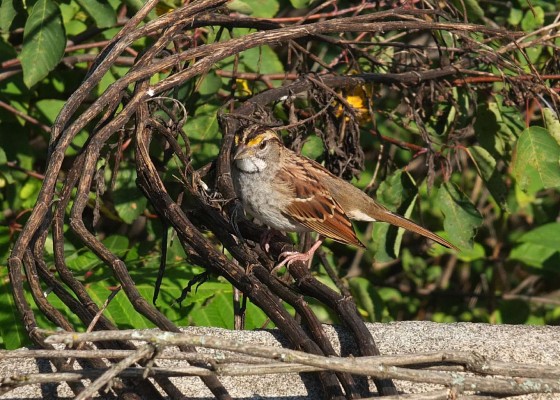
514,343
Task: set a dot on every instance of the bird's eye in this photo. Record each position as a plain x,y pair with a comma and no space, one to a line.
262,145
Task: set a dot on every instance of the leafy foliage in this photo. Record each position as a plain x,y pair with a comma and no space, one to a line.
477,156
43,40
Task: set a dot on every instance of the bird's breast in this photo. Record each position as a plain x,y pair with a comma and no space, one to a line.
263,201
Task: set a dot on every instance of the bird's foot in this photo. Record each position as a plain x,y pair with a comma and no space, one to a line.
291,256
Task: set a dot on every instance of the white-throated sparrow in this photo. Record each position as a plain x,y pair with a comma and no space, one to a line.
292,193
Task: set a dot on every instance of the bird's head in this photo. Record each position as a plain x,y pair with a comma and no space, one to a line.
255,148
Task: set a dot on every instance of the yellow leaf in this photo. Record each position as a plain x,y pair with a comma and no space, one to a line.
243,87
357,98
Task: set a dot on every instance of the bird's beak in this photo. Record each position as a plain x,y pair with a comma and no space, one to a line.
241,152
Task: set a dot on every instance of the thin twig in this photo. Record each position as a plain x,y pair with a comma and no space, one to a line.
143,352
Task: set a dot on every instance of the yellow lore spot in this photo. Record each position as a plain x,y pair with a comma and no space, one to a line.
255,141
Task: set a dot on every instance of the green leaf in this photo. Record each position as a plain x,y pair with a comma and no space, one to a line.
533,19
552,123
262,59
118,244
7,14
486,168
208,304
367,298
546,235
536,161
44,42
472,8
218,311
515,16
29,193
74,28
211,305
82,262
240,6
50,108
443,318
390,295
497,127
536,256
132,209
469,255
6,177
203,132
533,53
120,311
313,147
398,193
11,329
130,203
102,13
262,8
461,216
210,84
301,3
77,143
417,270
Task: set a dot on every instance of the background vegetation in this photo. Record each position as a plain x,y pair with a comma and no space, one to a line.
474,157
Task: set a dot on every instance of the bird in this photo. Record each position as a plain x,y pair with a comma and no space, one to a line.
289,192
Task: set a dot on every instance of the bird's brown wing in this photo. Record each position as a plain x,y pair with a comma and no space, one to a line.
312,205
350,198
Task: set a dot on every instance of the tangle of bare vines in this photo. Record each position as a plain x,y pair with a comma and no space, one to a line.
132,108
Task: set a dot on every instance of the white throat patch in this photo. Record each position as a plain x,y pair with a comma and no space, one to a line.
251,165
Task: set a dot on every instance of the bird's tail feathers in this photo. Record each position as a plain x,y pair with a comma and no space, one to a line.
414,227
